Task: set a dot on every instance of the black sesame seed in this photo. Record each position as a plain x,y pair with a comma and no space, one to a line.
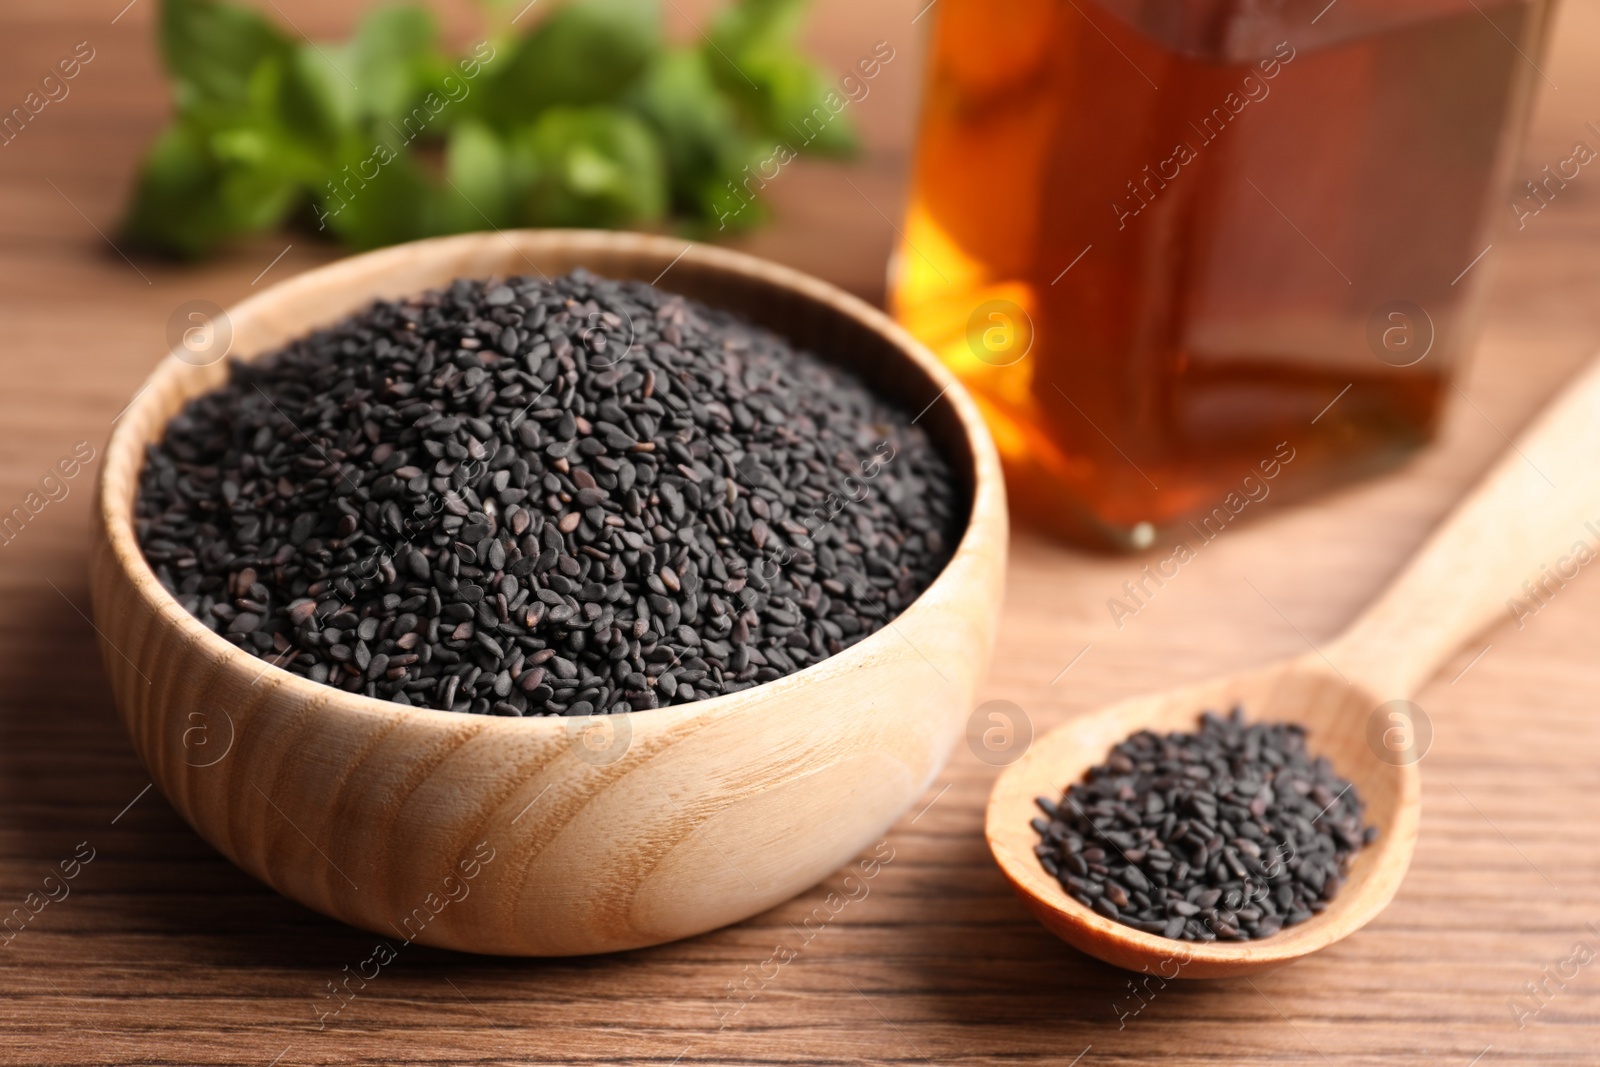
1263,834
478,500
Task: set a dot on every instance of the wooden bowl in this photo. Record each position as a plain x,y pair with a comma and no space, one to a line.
550,836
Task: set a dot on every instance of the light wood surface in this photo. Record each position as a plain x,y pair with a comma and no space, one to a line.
1527,517
166,953
547,836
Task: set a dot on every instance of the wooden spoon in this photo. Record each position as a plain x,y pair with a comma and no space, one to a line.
1534,518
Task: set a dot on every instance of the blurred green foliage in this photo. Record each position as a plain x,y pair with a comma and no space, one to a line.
591,118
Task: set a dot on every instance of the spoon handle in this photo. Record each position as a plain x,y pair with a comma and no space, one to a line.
1504,552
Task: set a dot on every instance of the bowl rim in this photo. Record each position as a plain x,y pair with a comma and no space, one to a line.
115,516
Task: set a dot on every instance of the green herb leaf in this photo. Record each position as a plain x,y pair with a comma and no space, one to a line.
731,200
396,203
394,60
588,52
751,25
588,119
796,103
597,166
313,101
188,201
211,49
699,128
482,172
753,57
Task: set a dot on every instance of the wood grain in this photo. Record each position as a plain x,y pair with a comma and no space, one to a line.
165,953
1516,539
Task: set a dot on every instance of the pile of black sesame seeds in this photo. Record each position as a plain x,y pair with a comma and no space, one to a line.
1230,833
544,497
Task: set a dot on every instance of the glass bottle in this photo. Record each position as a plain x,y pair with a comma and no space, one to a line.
1189,254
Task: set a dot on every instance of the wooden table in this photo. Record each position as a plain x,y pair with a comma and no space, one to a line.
164,953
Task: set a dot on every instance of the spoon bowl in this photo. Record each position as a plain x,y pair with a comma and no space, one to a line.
1305,691
1537,506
